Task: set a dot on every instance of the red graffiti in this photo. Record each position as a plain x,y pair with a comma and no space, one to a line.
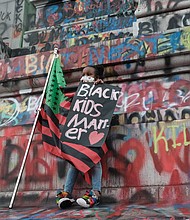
148,95
37,168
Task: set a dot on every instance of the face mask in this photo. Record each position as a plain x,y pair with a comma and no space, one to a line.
87,79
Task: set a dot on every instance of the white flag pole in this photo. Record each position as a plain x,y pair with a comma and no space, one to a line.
55,55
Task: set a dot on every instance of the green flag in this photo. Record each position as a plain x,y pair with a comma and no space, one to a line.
54,95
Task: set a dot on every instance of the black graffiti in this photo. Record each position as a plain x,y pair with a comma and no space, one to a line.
5,15
179,21
148,26
159,5
32,38
22,51
3,28
10,174
61,167
6,173
121,158
186,20
156,115
18,19
174,3
154,23
56,34
42,37
5,51
142,197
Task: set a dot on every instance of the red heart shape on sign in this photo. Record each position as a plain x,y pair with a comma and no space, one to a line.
95,137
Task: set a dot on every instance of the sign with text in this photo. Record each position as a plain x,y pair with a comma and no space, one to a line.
90,114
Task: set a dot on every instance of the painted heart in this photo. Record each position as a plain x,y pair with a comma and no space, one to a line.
95,137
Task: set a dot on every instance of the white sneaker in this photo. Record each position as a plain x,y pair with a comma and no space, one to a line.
88,200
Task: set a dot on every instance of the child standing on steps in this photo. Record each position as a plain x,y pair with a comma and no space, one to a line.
91,198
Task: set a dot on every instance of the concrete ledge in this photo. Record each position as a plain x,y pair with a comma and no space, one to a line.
128,195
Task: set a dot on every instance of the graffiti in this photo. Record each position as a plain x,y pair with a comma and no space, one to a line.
67,12
18,19
173,139
18,112
141,154
160,5
44,41
148,96
186,38
168,148
3,28
22,51
157,115
179,21
126,157
7,110
37,169
11,22
165,150
7,173
155,23
5,19
5,51
112,51
40,165
107,211
158,136
166,100
83,33
29,65
125,49
5,16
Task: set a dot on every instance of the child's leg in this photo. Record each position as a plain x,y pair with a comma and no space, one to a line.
93,197
64,198
97,178
71,179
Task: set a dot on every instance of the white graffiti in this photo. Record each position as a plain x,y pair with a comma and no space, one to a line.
9,110
13,112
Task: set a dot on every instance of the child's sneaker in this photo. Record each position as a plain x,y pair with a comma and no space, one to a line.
64,199
88,200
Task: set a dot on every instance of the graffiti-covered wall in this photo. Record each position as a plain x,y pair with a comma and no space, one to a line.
144,47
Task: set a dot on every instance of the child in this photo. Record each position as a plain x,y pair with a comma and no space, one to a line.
64,198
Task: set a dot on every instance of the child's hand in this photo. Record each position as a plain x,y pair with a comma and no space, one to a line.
98,81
